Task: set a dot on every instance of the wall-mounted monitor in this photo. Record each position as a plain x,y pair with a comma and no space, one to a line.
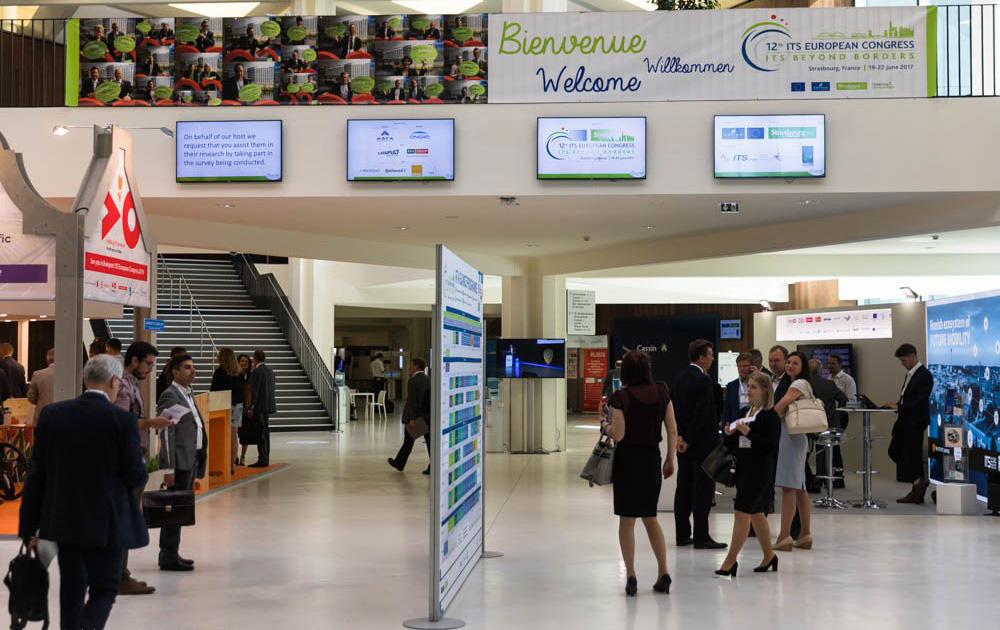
731,329
592,148
822,351
531,358
228,151
401,150
770,146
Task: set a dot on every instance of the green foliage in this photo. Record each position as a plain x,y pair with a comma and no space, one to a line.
685,5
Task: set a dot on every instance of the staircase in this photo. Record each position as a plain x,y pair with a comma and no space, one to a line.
224,316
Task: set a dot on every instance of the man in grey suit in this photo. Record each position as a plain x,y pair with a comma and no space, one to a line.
182,448
43,384
418,394
262,405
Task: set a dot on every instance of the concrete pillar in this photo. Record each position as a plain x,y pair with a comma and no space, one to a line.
534,6
313,7
534,306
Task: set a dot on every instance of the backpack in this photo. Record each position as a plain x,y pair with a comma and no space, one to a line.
28,581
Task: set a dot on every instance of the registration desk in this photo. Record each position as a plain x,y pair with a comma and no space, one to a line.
215,410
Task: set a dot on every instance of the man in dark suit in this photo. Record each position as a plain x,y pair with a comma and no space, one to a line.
776,358
385,31
125,94
182,449
398,92
697,435
913,417
350,43
89,85
432,32
343,87
736,391
14,370
418,394
231,87
294,64
86,459
262,405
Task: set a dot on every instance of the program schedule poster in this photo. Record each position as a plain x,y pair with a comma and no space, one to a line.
459,376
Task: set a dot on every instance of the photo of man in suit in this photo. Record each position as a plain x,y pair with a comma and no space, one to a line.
343,87
294,64
384,31
231,87
182,449
125,89
913,416
418,405
432,32
262,405
206,38
477,56
86,459
698,434
89,85
350,42
397,93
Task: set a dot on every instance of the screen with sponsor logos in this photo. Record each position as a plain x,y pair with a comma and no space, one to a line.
592,148
229,151
770,146
868,324
963,355
401,150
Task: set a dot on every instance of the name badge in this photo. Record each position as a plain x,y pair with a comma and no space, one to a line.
744,441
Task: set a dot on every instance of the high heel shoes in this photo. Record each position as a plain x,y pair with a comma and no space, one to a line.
631,586
731,571
804,542
772,565
785,544
663,584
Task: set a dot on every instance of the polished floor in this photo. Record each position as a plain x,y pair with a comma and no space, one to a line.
339,540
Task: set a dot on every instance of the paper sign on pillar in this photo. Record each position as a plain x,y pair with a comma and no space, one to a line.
116,261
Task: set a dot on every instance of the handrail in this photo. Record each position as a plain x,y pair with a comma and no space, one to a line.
180,289
267,293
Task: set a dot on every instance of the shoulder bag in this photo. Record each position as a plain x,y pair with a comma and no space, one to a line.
806,415
719,465
597,470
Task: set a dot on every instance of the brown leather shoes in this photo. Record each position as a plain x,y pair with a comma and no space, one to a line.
909,498
132,586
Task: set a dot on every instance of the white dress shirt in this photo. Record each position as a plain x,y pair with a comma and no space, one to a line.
189,397
909,377
845,382
378,369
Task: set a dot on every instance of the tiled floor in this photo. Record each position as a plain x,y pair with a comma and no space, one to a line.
339,540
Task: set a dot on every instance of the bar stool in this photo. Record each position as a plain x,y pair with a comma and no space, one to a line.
827,440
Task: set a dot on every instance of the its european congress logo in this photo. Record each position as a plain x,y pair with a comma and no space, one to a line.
761,39
584,144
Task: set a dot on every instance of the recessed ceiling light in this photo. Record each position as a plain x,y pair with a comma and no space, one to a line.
532,245
226,205
42,316
401,228
649,227
452,216
806,202
3,314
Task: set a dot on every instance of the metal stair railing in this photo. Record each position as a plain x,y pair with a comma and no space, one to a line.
266,293
179,296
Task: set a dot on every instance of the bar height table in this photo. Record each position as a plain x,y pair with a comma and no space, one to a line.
868,502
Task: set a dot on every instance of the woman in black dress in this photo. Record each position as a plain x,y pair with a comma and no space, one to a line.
249,431
639,410
227,378
758,433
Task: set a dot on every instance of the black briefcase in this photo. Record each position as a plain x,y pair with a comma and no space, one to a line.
168,508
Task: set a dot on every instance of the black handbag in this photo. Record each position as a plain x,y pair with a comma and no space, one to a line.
168,508
719,465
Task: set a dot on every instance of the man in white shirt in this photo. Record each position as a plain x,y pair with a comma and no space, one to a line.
845,383
378,373
182,449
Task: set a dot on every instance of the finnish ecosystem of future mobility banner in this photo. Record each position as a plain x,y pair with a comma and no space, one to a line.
713,55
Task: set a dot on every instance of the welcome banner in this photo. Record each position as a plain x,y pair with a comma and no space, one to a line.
713,55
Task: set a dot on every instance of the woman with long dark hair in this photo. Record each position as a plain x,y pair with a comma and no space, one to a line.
249,430
227,378
758,433
639,411
792,452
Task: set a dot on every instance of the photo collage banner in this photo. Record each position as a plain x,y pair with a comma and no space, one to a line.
291,60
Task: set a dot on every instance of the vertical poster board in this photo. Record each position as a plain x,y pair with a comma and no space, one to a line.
457,451
581,312
595,368
27,261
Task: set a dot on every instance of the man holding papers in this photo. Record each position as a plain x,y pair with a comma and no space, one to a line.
182,450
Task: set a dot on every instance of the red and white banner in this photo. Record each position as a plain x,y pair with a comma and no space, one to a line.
116,261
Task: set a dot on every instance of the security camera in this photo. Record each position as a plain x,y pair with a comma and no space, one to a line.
586,238
935,237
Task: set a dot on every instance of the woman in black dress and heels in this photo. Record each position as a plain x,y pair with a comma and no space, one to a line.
639,411
758,433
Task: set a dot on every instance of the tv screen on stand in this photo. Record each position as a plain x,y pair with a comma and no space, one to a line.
531,358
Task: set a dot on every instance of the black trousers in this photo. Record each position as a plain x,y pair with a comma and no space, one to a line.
695,491
126,574
170,537
264,448
404,451
98,569
378,387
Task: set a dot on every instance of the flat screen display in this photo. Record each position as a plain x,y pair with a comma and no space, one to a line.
770,146
822,351
731,329
592,148
531,358
401,150
228,151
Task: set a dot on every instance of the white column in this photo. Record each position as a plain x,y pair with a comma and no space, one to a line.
534,6
313,7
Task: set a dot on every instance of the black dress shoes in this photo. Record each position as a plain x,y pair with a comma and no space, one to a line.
259,465
427,470
176,565
185,561
710,544
685,542
392,463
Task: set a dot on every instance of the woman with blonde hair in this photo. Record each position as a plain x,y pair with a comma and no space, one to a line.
227,378
758,431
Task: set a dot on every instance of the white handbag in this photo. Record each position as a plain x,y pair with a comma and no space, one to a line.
806,415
